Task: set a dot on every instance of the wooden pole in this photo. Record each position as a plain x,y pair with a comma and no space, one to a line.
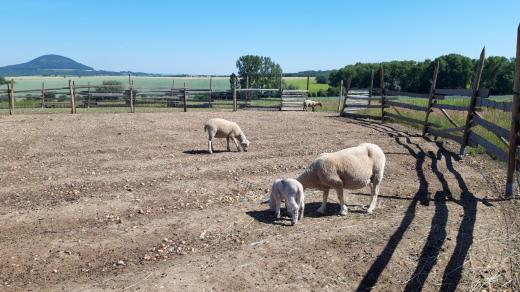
43,95
210,90
473,102
234,90
89,96
247,92
511,187
72,98
340,96
280,91
185,98
371,88
130,93
10,93
173,89
431,98
308,82
347,89
75,99
383,93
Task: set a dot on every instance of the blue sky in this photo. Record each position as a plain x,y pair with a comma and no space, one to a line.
206,37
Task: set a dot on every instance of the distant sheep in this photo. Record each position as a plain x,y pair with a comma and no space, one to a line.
312,104
352,168
292,192
220,128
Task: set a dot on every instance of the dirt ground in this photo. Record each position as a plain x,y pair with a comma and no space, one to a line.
134,202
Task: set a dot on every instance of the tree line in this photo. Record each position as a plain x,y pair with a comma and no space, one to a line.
455,71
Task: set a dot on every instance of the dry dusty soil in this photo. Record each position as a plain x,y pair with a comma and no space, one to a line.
134,202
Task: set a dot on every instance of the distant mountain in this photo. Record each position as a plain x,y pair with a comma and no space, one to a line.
44,64
50,65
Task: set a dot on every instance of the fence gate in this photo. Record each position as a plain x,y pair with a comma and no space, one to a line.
292,100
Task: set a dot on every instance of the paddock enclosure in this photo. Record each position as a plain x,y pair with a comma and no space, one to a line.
132,201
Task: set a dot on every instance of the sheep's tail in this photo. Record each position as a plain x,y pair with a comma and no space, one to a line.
379,166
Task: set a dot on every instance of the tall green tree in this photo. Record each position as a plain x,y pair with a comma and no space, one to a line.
455,71
2,80
261,71
498,75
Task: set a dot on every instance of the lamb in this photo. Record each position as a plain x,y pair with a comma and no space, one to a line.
221,128
312,104
351,168
292,192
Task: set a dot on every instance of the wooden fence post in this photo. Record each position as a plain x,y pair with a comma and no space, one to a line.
210,90
431,98
234,91
173,89
340,96
72,97
280,91
43,95
347,90
308,81
10,93
185,98
371,87
473,102
383,93
75,98
89,96
132,93
511,187
247,92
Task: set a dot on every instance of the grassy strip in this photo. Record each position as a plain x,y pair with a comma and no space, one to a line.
301,83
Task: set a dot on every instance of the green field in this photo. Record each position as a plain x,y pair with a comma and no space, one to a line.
301,83
35,82
218,83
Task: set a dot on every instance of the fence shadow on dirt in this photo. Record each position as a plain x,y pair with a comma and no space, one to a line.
438,234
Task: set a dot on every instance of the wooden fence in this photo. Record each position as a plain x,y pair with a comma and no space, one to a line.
89,96
463,134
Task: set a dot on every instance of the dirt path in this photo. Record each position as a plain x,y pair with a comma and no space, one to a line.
122,201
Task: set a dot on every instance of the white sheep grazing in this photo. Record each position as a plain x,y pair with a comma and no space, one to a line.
312,104
352,168
292,192
221,128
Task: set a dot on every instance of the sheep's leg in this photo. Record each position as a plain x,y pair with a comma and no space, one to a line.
292,209
375,192
343,208
323,206
236,144
228,148
302,209
277,206
210,147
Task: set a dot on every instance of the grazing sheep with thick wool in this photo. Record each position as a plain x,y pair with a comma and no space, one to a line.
352,168
292,192
220,128
312,104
